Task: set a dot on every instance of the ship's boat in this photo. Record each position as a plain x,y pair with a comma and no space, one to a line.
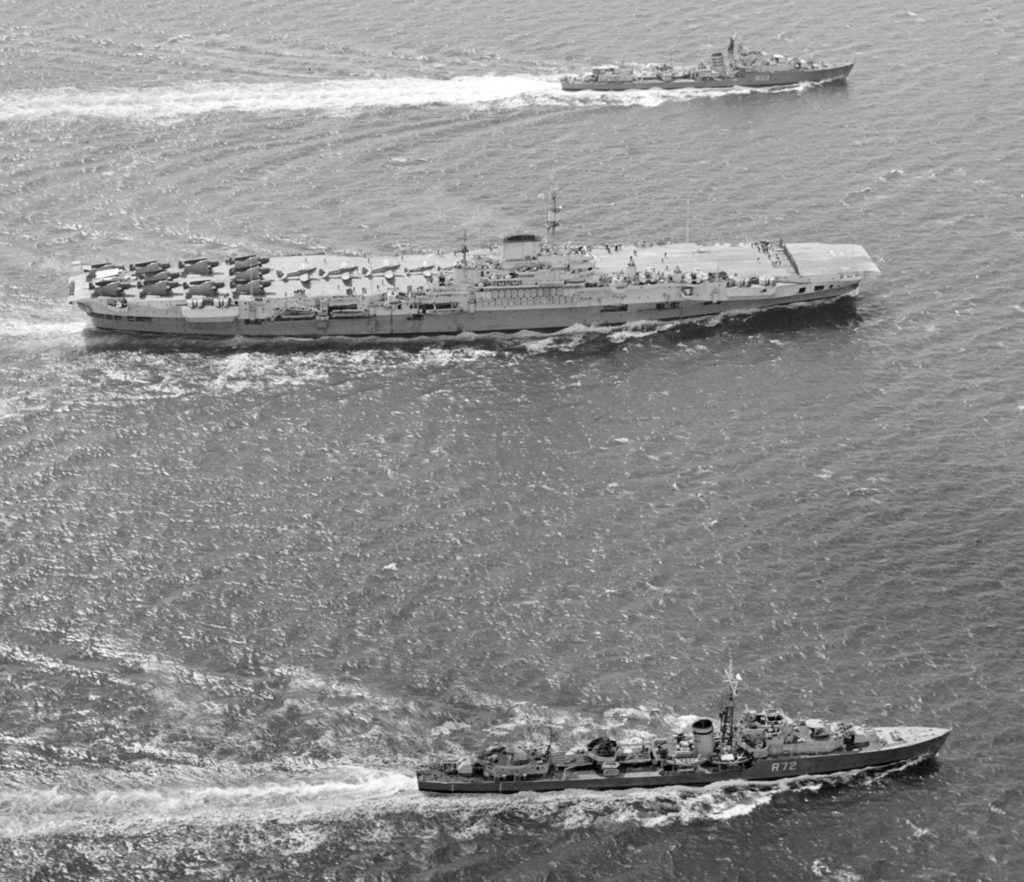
530,284
748,745
735,66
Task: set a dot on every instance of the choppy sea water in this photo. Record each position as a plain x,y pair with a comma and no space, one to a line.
245,588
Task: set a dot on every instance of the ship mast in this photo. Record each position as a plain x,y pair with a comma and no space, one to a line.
727,712
552,218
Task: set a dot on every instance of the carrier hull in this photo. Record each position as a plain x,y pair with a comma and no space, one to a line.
407,324
538,289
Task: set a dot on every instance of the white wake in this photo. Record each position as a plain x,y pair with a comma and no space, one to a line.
339,96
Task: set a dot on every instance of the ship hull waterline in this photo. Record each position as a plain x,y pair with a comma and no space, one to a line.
407,323
774,768
746,81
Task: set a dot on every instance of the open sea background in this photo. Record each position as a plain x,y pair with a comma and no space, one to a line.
245,588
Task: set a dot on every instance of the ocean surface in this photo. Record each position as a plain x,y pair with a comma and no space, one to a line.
246,588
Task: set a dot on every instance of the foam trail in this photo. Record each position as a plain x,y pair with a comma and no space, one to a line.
93,805
340,97
332,96
53,811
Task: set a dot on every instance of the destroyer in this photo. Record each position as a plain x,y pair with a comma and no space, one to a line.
762,745
529,284
737,66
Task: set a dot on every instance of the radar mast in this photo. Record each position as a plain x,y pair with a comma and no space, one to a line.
727,711
552,218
